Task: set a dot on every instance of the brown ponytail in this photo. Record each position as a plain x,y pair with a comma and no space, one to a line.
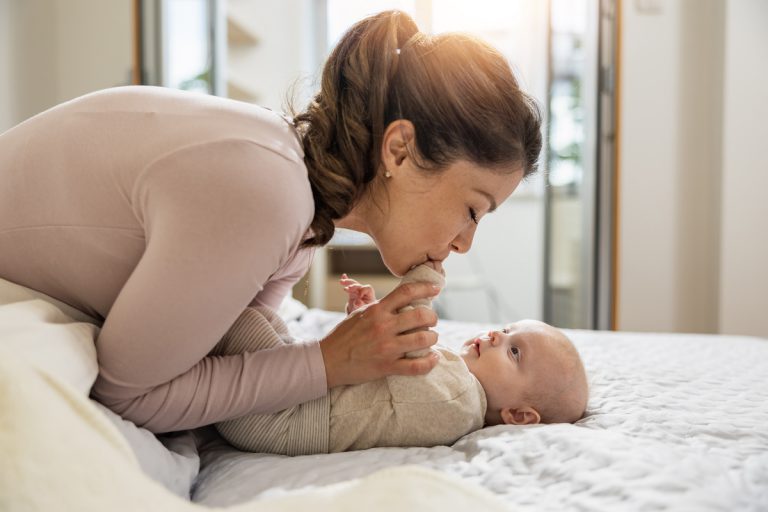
458,92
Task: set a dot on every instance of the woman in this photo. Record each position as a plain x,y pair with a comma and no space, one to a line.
165,214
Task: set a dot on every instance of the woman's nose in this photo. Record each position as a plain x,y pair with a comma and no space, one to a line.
463,241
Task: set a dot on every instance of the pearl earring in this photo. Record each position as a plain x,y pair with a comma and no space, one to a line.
387,174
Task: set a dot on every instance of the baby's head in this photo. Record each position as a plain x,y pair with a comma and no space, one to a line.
531,373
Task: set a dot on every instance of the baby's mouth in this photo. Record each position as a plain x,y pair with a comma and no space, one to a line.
477,342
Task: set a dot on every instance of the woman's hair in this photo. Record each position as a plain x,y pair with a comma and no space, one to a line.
459,93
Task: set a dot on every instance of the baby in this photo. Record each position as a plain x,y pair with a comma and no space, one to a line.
548,385
526,373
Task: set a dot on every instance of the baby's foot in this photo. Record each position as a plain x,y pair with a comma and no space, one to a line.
436,266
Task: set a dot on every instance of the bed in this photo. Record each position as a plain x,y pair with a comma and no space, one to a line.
674,421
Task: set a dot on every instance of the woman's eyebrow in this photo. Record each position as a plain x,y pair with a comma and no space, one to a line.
489,197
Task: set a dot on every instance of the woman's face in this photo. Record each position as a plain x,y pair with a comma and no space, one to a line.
426,217
415,215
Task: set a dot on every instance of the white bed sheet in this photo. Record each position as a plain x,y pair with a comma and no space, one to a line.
674,421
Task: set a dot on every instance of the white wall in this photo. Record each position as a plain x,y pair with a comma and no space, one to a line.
55,50
7,85
657,135
285,51
691,168
93,46
744,249
31,67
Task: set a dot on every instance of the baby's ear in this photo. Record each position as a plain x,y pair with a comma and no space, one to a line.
522,416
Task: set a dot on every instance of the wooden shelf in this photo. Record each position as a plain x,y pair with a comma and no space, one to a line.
240,35
336,298
238,91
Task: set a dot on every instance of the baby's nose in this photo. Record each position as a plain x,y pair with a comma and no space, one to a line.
484,337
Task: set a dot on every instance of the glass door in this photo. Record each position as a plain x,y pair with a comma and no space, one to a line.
181,44
578,277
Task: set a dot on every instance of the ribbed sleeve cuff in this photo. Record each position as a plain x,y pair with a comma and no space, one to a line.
316,368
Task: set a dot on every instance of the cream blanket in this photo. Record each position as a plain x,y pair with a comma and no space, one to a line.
61,453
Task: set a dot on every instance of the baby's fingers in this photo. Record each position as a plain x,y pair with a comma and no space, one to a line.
367,291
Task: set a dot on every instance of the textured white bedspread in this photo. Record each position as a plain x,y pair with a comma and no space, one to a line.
675,422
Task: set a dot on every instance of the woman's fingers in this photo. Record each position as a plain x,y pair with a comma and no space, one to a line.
416,318
415,341
371,342
407,293
418,366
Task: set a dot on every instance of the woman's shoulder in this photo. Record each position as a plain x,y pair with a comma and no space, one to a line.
235,180
229,175
187,118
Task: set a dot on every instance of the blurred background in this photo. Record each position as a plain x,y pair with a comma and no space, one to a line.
649,213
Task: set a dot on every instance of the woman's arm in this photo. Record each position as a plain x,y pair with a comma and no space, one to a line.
220,218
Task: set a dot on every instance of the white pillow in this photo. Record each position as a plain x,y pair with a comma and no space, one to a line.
48,339
44,332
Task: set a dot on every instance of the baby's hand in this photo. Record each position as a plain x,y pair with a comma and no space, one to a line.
359,294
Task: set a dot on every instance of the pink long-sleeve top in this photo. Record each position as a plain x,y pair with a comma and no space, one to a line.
165,214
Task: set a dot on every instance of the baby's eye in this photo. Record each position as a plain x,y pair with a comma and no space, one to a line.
515,352
505,330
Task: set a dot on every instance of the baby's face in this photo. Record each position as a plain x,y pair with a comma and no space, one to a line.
523,356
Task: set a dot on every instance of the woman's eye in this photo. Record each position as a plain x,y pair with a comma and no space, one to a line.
473,215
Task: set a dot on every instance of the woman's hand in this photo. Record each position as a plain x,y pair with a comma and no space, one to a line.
359,295
371,342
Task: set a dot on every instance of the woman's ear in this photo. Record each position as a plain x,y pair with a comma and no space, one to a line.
522,416
394,148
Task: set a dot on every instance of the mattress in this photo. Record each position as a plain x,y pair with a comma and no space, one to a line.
674,421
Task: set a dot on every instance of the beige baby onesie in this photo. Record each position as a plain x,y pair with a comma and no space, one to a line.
427,410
